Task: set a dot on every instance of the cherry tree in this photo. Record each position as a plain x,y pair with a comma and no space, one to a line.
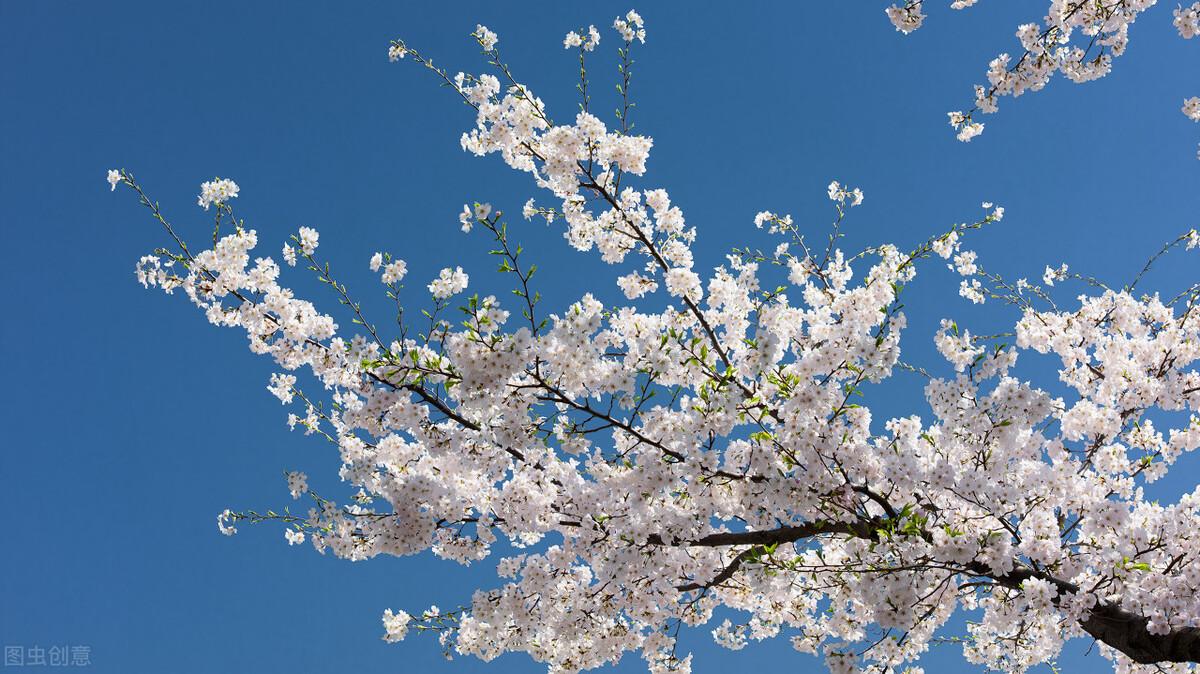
714,462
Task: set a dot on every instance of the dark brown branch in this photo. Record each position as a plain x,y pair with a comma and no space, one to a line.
1108,623
863,529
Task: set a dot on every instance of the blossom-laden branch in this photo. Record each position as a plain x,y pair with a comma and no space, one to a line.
655,464
1078,38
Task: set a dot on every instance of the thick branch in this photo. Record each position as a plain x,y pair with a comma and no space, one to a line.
1108,623
863,529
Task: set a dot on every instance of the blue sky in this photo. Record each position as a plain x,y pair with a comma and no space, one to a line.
130,423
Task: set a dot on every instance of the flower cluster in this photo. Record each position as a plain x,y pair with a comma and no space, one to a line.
965,127
393,272
308,238
630,27
1187,21
908,18
395,625
487,39
216,191
585,41
842,195
470,216
1191,108
297,484
449,282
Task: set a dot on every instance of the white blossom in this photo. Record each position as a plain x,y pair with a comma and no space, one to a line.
449,282
225,523
907,18
297,484
630,27
1191,108
635,285
394,271
283,387
308,238
586,41
842,194
216,191
395,625
1187,21
487,39
1054,274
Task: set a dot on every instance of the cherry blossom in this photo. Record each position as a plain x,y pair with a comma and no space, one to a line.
1187,21
1191,108
394,272
487,39
216,191
449,282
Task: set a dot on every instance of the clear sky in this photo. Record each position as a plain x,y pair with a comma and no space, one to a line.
129,423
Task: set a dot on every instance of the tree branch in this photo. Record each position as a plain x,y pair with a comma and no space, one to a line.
1108,623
